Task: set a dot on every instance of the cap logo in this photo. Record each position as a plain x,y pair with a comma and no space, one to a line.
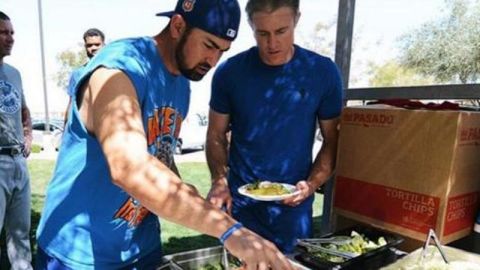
188,5
231,33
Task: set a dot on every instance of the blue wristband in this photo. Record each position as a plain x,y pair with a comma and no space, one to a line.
230,231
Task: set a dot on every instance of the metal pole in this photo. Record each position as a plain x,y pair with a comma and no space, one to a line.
42,55
343,51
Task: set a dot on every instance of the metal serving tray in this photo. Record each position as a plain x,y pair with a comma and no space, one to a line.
194,259
373,259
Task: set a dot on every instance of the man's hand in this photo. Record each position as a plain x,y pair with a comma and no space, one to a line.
27,131
305,190
256,252
219,195
27,146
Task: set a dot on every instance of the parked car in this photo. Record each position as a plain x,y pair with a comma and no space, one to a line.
44,139
192,133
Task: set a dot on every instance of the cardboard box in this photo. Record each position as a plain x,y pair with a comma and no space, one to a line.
406,171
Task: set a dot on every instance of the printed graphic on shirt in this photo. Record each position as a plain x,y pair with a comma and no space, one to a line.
133,212
10,100
162,133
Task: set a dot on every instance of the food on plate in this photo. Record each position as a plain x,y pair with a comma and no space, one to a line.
266,188
358,245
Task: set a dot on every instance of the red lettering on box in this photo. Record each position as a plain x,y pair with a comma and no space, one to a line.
368,119
470,136
411,210
461,212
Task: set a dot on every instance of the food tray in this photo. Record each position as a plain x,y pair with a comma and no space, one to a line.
194,259
454,255
373,259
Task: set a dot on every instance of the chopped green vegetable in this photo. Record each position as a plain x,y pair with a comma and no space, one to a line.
211,266
359,245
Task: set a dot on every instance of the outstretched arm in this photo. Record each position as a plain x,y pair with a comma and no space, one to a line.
110,110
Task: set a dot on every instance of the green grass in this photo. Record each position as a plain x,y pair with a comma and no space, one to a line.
175,238
36,148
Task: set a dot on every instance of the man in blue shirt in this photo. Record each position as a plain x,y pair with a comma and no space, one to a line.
271,97
115,171
93,41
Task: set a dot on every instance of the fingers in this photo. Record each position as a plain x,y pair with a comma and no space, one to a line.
276,260
256,252
220,197
294,200
262,266
228,203
217,202
305,192
281,263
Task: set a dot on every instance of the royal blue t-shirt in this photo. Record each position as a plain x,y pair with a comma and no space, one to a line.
273,112
87,221
76,73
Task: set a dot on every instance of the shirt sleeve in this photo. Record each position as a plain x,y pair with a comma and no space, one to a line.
332,101
219,100
20,84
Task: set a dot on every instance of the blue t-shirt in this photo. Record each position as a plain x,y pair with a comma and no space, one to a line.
76,73
273,112
87,221
12,100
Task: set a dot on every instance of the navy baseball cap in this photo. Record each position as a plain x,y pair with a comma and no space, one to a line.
218,17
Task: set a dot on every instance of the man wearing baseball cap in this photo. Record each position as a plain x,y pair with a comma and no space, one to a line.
115,173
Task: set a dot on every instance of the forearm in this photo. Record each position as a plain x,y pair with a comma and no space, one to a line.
217,156
27,125
323,166
163,193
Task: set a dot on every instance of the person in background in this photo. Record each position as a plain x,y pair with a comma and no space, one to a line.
15,147
271,96
115,171
93,41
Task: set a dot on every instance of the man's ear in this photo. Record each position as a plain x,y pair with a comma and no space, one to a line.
177,26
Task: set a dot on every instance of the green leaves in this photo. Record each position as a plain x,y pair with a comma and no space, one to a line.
447,48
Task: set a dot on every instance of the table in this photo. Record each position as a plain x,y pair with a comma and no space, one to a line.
469,243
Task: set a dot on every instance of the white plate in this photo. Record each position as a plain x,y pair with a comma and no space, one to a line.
243,190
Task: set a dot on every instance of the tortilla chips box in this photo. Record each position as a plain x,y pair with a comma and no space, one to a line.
407,171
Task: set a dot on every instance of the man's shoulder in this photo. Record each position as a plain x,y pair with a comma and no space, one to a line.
127,43
313,56
123,52
308,58
10,69
240,58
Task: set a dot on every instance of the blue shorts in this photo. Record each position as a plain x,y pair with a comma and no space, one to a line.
151,261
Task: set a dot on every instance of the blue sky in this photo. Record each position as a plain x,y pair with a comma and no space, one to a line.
377,24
